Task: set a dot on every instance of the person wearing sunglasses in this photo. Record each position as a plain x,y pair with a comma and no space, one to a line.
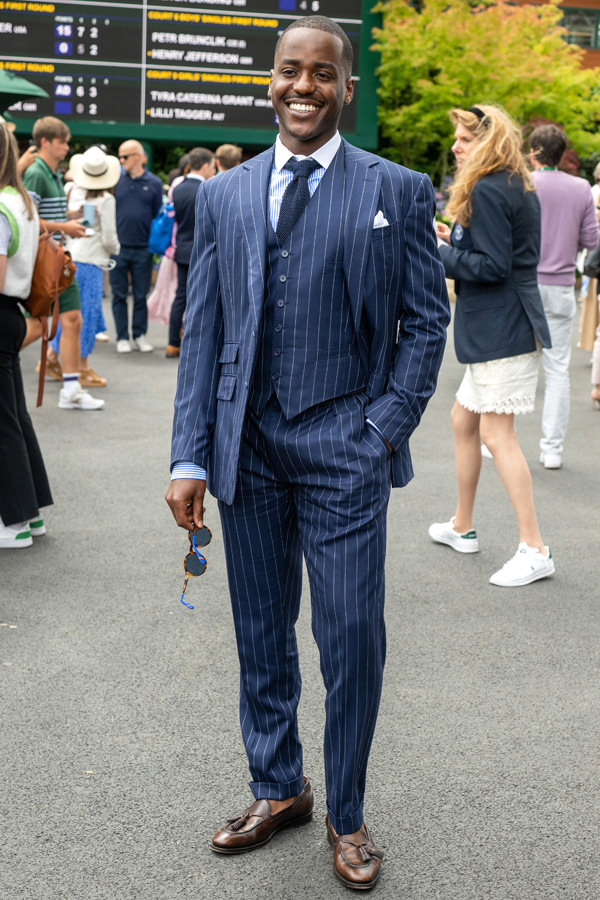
315,327
138,195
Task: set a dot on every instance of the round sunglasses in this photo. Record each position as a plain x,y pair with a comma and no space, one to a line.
195,563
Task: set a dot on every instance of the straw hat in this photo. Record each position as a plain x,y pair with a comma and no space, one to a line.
6,120
94,170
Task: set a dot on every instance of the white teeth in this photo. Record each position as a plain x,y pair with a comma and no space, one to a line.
303,107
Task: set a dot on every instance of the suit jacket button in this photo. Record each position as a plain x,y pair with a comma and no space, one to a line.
283,277
285,253
280,303
277,352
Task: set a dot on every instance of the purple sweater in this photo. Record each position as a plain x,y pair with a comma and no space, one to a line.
568,224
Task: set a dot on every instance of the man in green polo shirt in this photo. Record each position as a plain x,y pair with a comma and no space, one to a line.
44,183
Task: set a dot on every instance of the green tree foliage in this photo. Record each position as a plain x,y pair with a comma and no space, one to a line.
451,53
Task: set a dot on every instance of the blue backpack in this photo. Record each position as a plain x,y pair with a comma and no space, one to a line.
161,230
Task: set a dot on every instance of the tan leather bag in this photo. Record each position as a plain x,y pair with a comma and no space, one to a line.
53,272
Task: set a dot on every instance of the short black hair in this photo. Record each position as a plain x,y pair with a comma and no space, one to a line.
198,157
323,23
548,143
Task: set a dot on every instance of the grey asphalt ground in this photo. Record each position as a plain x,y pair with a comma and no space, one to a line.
120,751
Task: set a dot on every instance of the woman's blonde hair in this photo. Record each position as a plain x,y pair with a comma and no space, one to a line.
9,173
498,149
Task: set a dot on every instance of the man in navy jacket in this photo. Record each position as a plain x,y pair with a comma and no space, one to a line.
139,197
315,329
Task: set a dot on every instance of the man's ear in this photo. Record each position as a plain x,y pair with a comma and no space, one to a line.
349,91
270,82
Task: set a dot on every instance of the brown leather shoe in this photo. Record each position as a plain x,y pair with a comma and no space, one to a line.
256,825
355,862
171,352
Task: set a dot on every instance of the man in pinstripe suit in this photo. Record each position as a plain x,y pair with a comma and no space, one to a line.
308,358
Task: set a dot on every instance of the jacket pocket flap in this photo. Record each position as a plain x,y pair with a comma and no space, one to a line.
229,352
226,387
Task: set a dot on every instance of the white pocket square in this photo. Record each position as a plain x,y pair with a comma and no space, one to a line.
380,221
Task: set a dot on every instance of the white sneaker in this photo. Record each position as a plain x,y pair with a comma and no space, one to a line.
123,346
141,343
551,460
527,565
444,533
37,527
15,536
103,337
80,399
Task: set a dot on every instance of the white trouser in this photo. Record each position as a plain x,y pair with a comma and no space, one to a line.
559,306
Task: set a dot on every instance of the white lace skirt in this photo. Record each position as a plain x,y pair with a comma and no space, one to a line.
501,385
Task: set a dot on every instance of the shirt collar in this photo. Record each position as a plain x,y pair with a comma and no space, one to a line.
195,177
44,164
324,155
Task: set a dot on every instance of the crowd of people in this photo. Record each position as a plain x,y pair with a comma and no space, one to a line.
316,337
512,254
104,205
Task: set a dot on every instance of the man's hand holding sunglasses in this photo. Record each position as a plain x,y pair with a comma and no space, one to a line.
186,501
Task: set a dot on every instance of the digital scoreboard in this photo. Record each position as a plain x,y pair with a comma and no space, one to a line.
170,70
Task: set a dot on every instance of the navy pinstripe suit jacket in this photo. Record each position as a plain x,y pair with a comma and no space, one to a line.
396,286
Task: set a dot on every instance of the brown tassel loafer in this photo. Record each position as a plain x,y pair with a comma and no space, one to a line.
356,859
256,825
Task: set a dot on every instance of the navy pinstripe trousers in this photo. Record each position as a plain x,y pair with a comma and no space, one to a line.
317,486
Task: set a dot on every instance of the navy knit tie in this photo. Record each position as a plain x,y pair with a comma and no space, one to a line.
296,196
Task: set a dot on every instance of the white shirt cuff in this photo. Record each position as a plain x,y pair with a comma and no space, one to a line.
188,470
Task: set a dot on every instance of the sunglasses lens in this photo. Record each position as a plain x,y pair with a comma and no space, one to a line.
194,565
202,535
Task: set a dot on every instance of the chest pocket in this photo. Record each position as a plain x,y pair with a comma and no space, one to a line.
384,253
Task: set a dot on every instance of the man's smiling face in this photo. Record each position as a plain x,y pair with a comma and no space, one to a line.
310,85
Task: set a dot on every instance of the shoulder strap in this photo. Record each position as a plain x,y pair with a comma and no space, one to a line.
48,331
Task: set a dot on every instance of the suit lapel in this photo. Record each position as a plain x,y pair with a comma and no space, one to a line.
253,200
363,184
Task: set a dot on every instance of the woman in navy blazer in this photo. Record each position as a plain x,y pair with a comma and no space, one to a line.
492,253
